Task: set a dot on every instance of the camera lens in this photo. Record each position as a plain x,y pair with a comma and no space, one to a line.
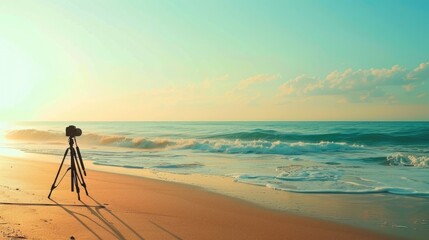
78,132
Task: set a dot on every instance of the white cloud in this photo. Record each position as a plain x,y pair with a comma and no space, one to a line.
358,85
300,85
257,79
362,79
419,73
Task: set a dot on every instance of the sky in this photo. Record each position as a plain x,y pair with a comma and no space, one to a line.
214,60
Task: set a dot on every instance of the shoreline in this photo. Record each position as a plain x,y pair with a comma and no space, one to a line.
377,212
127,207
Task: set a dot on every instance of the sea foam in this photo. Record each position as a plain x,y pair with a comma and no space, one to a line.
399,159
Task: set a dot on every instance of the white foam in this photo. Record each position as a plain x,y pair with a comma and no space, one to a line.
310,174
341,179
267,147
399,159
399,191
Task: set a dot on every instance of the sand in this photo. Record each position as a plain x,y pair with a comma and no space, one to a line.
127,207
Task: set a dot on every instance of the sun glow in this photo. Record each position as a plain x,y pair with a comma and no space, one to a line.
16,77
10,152
6,150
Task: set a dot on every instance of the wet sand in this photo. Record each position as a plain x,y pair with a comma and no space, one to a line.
127,207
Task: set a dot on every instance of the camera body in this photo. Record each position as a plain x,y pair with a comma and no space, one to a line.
73,131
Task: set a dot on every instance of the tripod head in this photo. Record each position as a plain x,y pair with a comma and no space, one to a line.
72,140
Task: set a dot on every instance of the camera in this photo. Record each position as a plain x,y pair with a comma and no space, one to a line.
72,131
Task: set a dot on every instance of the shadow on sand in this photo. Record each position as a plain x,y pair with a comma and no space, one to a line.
166,230
48,204
99,212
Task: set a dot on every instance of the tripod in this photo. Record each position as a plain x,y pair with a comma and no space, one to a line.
76,175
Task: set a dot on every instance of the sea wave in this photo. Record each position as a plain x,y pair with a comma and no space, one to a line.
328,179
207,145
392,190
34,135
267,147
401,159
296,173
39,136
183,165
403,137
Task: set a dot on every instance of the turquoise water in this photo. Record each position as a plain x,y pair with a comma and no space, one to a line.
305,157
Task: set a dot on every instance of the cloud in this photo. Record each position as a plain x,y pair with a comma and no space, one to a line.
419,73
359,85
300,85
257,79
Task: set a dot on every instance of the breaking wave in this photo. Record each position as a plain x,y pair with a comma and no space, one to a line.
399,159
403,137
212,145
415,136
34,135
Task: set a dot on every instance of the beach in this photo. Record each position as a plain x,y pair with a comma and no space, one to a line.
128,207
368,176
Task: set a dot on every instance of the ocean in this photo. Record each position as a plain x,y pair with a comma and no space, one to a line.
303,157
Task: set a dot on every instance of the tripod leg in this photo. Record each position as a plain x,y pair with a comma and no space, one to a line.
77,187
58,173
80,177
73,168
79,166
74,172
80,159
